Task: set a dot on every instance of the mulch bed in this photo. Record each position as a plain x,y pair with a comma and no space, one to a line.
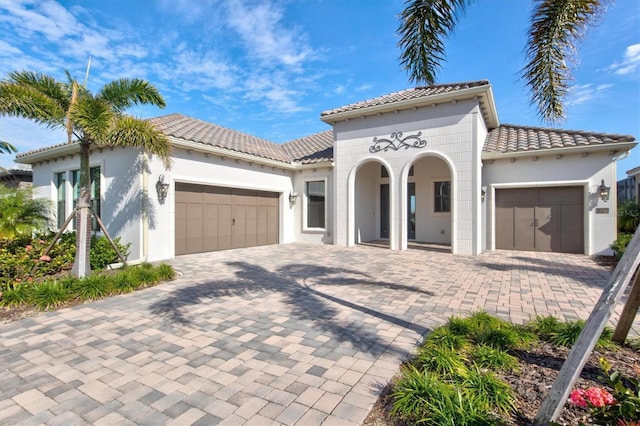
539,367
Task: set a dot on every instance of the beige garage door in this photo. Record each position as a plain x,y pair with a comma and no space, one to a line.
540,219
210,218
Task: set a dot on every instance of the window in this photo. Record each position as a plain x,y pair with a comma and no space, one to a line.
315,204
442,196
61,199
94,173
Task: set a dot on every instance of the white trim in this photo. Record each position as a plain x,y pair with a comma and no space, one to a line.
584,183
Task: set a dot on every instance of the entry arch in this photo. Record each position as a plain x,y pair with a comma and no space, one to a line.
364,201
432,226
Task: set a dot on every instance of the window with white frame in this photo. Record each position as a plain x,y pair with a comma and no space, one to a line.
61,197
94,173
316,199
442,196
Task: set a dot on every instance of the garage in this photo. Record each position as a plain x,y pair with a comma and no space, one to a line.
549,219
210,218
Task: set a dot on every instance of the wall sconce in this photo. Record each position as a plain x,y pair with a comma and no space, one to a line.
604,191
293,197
162,188
483,193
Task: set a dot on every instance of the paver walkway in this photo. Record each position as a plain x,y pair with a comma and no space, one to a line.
288,334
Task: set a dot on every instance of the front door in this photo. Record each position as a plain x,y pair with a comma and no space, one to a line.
411,211
384,210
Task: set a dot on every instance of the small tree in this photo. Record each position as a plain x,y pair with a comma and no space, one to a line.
92,119
20,214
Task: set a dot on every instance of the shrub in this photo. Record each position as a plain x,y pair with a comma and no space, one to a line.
628,217
620,245
93,287
493,359
20,213
144,274
567,333
48,294
488,392
15,294
103,254
443,361
166,272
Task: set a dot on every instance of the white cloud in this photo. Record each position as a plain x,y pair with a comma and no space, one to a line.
630,63
265,37
583,93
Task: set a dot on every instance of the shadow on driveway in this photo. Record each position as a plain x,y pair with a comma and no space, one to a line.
303,289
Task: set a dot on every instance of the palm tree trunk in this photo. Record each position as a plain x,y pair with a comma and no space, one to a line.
81,263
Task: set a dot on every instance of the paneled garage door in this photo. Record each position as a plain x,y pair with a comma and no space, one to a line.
540,219
210,218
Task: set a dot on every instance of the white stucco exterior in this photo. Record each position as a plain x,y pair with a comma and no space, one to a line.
402,171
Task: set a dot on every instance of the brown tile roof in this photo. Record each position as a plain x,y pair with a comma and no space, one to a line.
311,149
408,94
509,138
192,129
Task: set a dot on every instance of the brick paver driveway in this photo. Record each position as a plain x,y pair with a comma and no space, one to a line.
289,334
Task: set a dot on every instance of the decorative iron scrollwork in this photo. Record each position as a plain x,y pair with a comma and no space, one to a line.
396,141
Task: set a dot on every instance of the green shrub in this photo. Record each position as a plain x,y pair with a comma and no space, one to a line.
20,213
628,217
545,326
444,338
493,359
15,294
123,281
103,254
442,361
420,397
488,392
93,287
620,245
166,272
569,331
143,275
48,294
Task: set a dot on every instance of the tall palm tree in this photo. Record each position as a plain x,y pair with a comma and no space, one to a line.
555,29
92,119
7,148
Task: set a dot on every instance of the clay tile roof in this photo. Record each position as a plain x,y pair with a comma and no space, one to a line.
188,128
408,94
508,138
44,148
311,149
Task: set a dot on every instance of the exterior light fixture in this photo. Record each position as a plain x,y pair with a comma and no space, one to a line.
162,188
604,191
483,193
293,197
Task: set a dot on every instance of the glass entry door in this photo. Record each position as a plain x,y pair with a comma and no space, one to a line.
411,211
384,210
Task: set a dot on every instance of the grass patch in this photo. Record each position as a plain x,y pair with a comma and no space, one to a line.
48,294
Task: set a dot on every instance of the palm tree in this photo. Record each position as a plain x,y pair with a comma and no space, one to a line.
93,119
20,214
7,148
555,29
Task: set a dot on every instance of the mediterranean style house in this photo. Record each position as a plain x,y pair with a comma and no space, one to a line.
429,164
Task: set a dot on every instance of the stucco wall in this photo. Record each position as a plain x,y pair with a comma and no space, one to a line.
198,168
121,201
564,170
300,231
452,133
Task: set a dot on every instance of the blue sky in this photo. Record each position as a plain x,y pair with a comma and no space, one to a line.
269,67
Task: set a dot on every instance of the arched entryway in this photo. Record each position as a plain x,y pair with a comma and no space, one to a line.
427,204
370,203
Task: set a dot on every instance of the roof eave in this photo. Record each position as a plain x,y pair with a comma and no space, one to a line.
47,154
614,148
489,113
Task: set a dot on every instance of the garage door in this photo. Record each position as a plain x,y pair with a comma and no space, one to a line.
212,218
540,219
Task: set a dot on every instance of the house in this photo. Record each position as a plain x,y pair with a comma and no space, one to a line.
16,178
629,187
429,164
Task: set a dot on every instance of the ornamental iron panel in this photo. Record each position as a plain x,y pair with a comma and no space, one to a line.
396,142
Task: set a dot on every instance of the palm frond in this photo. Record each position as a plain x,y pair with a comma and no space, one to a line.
555,30
7,148
18,100
124,93
131,131
93,116
57,91
424,26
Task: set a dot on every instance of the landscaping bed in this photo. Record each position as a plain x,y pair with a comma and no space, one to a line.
537,367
